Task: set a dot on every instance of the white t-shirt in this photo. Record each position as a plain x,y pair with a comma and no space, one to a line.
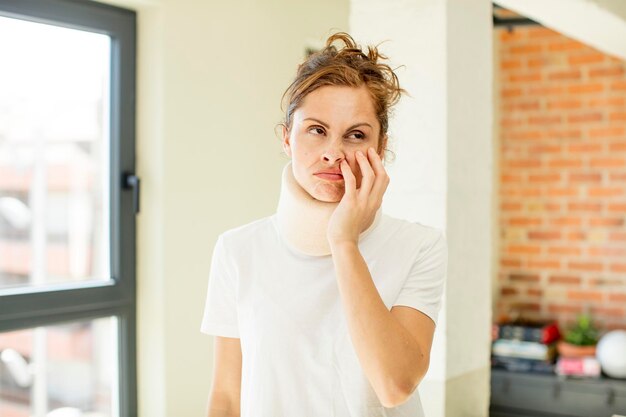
285,307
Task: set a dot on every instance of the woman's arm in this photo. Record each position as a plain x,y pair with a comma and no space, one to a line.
225,397
393,347
391,357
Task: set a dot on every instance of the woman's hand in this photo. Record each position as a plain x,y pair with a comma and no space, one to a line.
357,208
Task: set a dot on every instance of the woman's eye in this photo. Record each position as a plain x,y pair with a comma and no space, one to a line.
317,130
358,135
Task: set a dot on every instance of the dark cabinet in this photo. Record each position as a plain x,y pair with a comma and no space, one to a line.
516,394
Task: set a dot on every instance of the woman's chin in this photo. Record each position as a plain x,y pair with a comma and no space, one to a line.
328,193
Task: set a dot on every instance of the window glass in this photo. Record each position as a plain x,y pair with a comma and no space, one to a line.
54,154
65,370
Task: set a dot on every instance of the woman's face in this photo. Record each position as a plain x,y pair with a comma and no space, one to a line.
331,124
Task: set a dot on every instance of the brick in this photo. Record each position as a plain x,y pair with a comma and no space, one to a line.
544,119
607,132
614,162
585,295
521,106
587,58
606,251
525,49
606,221
524,221
545,148
565,221
617,176
510,64
586,266
511,206
544,235
511,178
584,206
544,178
606,72
585,88
617,146
510,263
537,62
531,135
605,191
545,90
618,116
618,85
603,282
515,35
511,92
520,192
524,277
541,32
610,326
570,74
544,264
534,292
524,249
584,147
508,291
535,206
617,297
508,122
585,177
565,163
617,207
563,191
604,102
525,78
564,104
566,45
585,117
576,236
617,236
564,134
522,163
618,267
607,311
564,279
564,308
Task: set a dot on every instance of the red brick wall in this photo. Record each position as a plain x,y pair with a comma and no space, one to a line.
562,186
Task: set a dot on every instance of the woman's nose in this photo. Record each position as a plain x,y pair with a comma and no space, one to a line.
333,154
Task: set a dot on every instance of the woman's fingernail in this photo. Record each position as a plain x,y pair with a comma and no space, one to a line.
359,153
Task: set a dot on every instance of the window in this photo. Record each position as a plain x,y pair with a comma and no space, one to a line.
68,201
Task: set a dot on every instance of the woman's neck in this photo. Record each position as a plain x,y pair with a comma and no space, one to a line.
303,220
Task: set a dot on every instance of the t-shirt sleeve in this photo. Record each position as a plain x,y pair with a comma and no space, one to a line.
423,287
220,310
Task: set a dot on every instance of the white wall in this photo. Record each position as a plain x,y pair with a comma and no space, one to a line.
210,78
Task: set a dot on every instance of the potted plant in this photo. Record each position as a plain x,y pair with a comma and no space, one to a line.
581,340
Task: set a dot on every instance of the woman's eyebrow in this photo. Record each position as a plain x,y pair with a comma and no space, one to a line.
350,128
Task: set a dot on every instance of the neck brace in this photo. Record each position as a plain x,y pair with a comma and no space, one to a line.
303,220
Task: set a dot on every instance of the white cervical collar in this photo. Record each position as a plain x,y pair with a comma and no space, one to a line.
303,220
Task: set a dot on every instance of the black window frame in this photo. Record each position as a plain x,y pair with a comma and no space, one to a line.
25,308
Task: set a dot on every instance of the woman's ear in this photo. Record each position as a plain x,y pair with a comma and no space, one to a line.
382,147
286,143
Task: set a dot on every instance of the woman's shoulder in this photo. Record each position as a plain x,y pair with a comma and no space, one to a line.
413,229
255,229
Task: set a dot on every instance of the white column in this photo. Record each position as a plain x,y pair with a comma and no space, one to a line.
443,172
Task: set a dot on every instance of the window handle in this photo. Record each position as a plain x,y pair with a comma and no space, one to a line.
129,181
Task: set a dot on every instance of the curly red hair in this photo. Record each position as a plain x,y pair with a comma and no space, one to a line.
347,66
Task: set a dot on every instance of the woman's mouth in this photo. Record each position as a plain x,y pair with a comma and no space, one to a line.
330,177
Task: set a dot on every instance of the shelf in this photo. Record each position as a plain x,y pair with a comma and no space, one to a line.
545,395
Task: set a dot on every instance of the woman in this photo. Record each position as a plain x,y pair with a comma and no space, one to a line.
327,307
